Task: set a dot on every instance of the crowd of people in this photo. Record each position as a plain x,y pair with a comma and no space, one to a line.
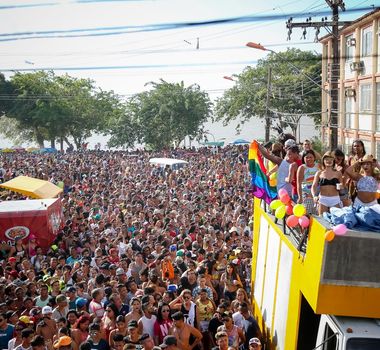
147,258
152,257
323,182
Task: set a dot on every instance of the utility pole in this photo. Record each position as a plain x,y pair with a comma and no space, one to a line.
267,117
334,68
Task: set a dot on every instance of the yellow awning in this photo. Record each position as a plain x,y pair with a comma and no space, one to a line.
31,187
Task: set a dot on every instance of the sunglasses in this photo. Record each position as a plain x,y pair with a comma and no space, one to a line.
166,310
186,297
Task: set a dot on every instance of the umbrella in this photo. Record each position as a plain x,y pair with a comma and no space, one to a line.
31,187
240,142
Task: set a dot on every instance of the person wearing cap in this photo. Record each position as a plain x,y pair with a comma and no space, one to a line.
254,344
285,171
169,343
327,181
27,335
62,307
47,327
63,343
71,294
133,337
183,331
366,174
95,338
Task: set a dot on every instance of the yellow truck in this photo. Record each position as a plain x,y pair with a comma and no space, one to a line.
313,294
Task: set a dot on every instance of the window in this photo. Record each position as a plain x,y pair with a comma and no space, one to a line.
349,113
378,149
365,98
367,42
350,48
377,106
329,339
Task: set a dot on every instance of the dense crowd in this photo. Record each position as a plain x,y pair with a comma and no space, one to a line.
148,257
152,257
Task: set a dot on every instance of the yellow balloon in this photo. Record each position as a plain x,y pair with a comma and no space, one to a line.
280,212
299,210
329,235
275,204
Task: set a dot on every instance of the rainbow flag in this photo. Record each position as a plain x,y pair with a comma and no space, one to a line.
260,185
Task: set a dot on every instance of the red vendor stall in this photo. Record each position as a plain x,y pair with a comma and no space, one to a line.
41,218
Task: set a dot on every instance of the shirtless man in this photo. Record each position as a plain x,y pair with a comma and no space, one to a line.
47,327
182,332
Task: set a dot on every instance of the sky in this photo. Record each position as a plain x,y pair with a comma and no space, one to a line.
124,44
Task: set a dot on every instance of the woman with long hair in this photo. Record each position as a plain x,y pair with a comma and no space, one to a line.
341,165
357,153
80,331
163,323
136,313
109,319
305,177
230,281
327,179
367,181
241,297
121,328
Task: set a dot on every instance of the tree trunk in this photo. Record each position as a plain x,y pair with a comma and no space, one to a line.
67,141
52,143
61,143
39,138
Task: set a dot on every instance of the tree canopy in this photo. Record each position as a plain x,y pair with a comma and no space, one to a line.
295,91
162,117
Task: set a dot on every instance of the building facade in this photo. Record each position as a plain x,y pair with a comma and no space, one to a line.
359,84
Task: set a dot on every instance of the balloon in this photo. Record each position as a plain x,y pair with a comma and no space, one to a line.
275,204
289,209
292,221
304,221
280,212
282,192
329,235
285,198
340,230
299,210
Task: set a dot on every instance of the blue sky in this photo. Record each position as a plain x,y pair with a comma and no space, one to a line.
124,44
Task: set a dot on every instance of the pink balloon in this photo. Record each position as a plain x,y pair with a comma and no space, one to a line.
289,210
282,192
340,230
285,198
304,221
292,221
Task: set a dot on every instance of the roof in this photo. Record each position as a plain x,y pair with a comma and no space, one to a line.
353,24
27,205
31,187
359,325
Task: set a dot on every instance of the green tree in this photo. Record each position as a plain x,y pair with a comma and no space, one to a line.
51,107
293,93
163,116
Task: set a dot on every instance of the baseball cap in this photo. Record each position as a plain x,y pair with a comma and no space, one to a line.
132,324
168,340
25,319
62,341
80,302
47,310
290,143
12,259
234,229
254,341
71,289
120,271
180,252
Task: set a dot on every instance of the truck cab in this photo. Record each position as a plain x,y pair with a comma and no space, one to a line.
348,333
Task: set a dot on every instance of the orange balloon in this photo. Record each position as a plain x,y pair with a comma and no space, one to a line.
329,235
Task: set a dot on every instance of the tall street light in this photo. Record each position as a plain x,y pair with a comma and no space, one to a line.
263,48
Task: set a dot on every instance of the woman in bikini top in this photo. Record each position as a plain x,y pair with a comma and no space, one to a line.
367,180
